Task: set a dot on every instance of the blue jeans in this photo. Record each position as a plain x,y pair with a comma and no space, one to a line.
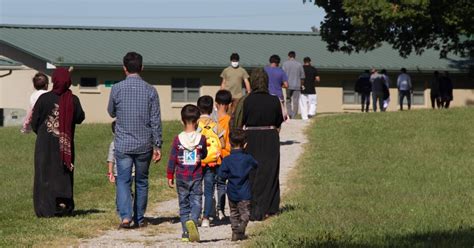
209,175
125,164
190,201
221,188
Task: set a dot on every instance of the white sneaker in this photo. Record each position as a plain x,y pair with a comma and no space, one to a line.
221,215
205,223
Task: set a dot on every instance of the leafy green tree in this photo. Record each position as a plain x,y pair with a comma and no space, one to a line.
408,25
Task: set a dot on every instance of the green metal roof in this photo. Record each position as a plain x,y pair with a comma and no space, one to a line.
199,49
7,64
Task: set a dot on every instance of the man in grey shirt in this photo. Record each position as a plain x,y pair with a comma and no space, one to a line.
294,71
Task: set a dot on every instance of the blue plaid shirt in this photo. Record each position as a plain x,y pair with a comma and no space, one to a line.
136,106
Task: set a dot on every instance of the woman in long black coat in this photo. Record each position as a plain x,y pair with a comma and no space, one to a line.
55,115
262,117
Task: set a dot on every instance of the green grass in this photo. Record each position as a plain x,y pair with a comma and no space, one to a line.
403,179
93,194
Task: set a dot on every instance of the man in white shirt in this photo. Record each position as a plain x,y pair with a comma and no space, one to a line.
404,87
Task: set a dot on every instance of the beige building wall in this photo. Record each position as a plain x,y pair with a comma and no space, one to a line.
16,88
95,100
463,93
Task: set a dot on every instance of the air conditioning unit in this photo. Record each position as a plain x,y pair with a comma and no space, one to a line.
12,117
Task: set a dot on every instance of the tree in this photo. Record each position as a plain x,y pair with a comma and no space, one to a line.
408,25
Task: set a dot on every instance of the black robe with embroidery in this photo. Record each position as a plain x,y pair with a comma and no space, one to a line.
53,182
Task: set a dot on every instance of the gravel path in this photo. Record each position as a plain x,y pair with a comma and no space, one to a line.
164,229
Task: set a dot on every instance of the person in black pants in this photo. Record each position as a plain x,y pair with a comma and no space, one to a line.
378,84
446,90
364,87
435,91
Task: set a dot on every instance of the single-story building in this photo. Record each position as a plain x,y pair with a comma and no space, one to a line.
185,64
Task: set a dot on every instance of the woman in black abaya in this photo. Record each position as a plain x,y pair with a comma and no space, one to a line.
55,115
262,117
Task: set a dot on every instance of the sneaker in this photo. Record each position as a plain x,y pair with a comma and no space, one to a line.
193,231
205,222
221,215
185,237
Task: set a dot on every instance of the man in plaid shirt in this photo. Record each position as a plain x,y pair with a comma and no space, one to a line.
135,105
188,148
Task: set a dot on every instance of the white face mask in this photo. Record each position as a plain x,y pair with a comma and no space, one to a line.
234,64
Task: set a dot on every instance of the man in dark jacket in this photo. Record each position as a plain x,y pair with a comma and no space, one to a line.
378,84
435,91
363,87
446,90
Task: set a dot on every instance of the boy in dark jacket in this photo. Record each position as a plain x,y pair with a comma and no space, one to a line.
236,168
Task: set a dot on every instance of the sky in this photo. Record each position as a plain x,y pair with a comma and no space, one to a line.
277,15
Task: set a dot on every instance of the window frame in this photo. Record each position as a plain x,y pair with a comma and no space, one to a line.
348,88
88,87
185,89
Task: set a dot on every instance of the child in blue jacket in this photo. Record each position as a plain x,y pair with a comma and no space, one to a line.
236,169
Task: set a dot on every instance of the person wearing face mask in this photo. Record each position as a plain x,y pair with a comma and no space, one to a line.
232,78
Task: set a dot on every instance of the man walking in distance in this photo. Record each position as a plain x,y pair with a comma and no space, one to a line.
308,98
364,87
135,105
404,88
378,84
232,78
294,71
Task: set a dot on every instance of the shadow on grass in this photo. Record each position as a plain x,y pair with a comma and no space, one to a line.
463,237
289,142
451,238
159,220
83,212
288,208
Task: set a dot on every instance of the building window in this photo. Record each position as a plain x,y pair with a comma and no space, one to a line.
349,96
418,96
185,89
88,82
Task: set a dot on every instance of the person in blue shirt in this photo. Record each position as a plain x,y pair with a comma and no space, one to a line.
236,169
138,137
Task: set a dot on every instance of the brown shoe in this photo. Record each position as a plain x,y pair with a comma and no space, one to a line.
235,236
125,225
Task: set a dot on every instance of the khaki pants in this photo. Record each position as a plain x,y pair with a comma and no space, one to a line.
230,111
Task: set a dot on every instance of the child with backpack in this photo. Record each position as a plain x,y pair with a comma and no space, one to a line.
210,129
223,102
187,151
236,168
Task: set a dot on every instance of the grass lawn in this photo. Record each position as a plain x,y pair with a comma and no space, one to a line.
385,179
93,194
